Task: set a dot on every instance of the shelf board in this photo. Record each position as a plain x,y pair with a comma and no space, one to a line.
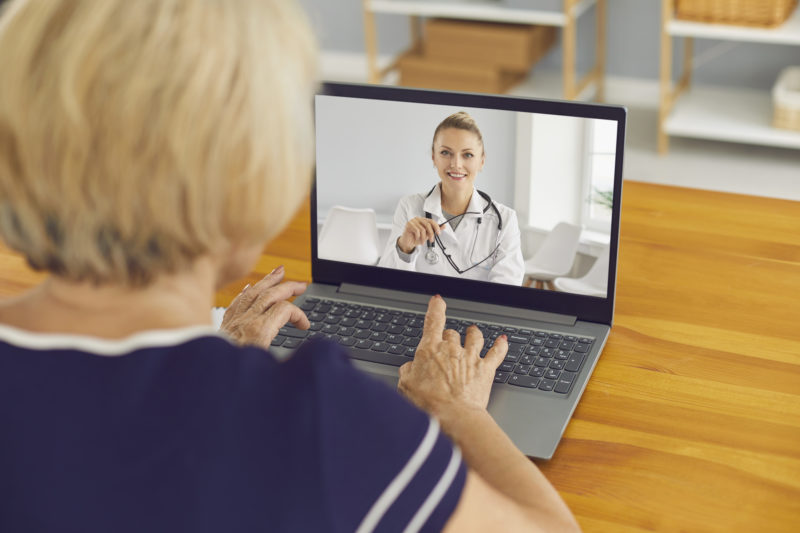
788,33
724,114
477,10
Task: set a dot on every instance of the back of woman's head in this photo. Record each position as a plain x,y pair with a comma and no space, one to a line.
139,135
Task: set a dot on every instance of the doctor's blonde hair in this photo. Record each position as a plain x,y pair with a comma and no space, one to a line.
460,121
139,135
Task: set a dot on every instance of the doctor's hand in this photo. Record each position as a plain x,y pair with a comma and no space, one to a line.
417,231
259,311
446,377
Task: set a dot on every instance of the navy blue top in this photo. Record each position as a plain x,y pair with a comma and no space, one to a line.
183,431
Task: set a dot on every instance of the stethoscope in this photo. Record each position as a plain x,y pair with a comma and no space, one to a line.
432,257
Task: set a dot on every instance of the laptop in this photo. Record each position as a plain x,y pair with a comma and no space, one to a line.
552,168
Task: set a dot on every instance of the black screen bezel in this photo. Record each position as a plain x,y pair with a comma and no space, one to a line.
588,308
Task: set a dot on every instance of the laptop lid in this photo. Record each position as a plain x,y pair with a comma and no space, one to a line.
549,162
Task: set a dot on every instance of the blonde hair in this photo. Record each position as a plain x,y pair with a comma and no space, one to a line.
139,135
460,121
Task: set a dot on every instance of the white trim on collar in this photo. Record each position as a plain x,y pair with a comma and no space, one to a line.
84,343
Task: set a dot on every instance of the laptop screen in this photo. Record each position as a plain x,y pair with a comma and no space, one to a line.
508,192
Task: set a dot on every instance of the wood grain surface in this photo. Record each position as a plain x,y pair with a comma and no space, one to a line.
691,421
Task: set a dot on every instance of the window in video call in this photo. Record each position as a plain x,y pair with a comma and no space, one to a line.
483,194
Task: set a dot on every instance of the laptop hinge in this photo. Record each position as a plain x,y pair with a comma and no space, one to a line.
455,304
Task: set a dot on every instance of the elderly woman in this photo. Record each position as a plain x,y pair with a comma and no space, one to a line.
148,150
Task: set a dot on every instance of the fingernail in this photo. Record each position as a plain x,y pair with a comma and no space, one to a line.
246,287
276,270
504,337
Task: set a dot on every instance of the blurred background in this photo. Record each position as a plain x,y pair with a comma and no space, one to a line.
719,133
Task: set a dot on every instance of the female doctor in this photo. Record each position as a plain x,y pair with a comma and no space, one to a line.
454,229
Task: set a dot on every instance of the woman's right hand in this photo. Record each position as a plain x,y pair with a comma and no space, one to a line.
417,231
446,377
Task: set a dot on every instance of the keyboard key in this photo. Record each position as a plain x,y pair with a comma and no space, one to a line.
538,341
347,341
506,366
532,350
411,351
319,317
537,371
501,377
397,349
364,344
517,339
324,307
345,332
522,369
416,323
289,331
557,364
316,326
586,340
368,315
394,339
566,345
312,300
527,359
547,352
337,310
524,381
412,332
541,334
377,336
525,332
552,343
330,328
379,347
347,322
582,347
571,338
547,384
292,342
332,319
557,336
379,357
513,347
383,318
565,382
379,326
307,306
399,321
278,340
552,373
395,330
411,341
574,362
561,354
362,334
510,330
353,313
395,312
541,361
513,357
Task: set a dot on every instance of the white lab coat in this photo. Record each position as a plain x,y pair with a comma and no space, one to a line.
469,243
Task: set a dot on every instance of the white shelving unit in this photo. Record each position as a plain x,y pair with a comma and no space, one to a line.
491,11
718,113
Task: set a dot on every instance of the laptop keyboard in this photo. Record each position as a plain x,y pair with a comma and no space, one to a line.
537,359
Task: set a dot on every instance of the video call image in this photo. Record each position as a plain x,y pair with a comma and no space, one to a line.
500,196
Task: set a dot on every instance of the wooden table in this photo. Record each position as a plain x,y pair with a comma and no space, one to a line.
691,421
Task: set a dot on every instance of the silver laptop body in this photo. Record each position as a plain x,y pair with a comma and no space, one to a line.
550,161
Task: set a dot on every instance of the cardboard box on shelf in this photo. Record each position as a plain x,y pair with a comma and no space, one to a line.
419,71
474,56
512,47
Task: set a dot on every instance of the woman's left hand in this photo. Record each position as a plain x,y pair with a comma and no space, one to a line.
258,312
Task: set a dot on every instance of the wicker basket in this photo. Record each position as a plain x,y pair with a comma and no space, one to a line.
763,13
786,100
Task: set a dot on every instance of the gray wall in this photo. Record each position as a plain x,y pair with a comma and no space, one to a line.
371,153
633,28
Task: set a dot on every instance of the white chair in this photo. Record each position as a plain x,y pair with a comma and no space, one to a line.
593,283
555,256
349,235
